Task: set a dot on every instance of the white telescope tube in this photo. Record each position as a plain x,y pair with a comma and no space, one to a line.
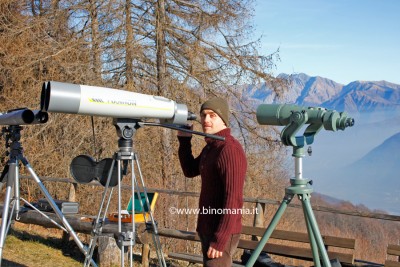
101,101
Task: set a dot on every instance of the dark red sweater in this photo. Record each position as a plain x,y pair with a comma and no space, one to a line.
222,166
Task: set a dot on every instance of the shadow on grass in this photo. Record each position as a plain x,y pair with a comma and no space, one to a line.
6,263
68,248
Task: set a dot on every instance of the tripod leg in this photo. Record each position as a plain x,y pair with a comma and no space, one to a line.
154,230
6,217
315,230
58,211
98,224
155,236
97,227
313,243
270,229
119,214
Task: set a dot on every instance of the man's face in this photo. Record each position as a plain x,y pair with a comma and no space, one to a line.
211,122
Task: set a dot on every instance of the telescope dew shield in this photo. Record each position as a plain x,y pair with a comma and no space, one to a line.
101,101
274,114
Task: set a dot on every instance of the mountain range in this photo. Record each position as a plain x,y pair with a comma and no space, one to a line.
359,164
357,96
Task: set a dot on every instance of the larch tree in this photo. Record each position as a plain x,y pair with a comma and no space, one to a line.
183,50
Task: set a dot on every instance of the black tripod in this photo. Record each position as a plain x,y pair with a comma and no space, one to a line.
12,199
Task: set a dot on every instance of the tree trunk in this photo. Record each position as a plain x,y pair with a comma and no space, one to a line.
95,53
129,47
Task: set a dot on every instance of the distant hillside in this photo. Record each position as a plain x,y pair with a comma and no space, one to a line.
385,159
366,97
372,180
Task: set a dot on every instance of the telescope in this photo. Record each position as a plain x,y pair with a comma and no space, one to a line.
294,117
101,101
23,116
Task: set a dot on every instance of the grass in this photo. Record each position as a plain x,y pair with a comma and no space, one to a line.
29,245
34,246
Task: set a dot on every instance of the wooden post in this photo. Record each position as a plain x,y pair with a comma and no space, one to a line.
109,253
145,255
258,218
72,192
71,198
144,238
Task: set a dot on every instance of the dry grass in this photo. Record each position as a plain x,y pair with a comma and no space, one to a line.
28,245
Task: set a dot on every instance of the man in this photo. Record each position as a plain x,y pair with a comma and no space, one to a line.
222,166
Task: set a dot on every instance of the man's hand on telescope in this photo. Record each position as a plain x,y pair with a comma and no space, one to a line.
186,134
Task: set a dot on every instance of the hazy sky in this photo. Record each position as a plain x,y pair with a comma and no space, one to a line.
343,40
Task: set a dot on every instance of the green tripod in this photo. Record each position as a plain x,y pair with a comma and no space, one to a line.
295,117
300,187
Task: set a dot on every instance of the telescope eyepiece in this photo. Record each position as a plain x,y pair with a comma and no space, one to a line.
191,116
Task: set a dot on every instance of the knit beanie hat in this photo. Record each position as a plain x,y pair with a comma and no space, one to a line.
218,105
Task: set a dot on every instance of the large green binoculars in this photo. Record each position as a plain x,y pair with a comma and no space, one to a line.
281,114
294,117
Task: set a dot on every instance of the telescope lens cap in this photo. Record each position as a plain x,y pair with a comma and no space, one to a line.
83,169
102,170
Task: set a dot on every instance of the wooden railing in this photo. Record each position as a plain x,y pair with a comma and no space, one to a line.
259,202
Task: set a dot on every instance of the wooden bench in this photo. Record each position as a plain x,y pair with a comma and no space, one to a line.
291,251
393,250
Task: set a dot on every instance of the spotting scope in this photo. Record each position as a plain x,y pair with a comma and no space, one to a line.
101,101
294,117
23,116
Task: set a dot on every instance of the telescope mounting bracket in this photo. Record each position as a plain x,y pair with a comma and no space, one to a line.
297,120
126,128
